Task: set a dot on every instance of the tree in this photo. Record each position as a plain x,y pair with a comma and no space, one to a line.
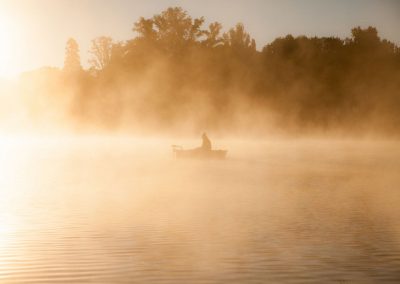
173,30
101,51
368,37
145,30
72,62
238,39
213,37
281,47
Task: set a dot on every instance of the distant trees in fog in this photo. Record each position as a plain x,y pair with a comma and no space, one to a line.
177,73
72,62
101,51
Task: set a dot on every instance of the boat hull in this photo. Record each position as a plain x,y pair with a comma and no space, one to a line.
200,154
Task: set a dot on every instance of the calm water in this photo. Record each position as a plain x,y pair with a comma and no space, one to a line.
124,211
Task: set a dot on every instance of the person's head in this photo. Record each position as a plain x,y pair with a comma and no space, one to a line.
204,135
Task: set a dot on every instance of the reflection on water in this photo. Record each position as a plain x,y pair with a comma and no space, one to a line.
125,211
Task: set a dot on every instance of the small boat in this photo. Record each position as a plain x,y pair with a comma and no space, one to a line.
198,153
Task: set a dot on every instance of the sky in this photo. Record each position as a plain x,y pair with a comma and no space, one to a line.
33,33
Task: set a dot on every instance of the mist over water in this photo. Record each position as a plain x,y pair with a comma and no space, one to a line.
123,210
91,191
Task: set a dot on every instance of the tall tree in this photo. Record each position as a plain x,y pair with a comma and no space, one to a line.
173,29
238,39
101,51
213,35
72,62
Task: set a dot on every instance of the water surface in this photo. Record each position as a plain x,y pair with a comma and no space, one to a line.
124,211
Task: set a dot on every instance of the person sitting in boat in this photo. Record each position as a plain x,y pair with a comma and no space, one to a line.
206,145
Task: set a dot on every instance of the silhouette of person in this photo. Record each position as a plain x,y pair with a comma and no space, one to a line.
206,145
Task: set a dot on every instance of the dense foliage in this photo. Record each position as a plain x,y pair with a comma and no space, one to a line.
178,74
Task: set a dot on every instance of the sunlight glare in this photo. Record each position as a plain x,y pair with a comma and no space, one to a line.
8,47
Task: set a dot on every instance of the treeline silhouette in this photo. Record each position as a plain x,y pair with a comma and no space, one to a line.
177,74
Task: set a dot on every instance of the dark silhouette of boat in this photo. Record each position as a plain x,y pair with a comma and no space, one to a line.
198,153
